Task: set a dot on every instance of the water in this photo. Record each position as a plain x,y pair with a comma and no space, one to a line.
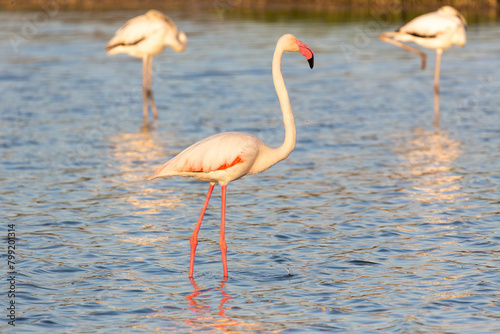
377,222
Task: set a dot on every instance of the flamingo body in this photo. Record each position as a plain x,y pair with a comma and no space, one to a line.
438,30
228,156
146,36
220,158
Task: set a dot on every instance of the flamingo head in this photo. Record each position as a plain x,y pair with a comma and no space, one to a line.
292,44
179,42
448,10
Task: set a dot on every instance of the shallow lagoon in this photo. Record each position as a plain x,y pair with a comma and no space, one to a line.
377,222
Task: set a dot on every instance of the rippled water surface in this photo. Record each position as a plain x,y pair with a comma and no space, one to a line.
377,222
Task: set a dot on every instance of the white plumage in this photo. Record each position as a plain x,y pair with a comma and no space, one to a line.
146,36
220,158
438,30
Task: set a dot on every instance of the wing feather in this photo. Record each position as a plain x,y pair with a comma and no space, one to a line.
430,25
137,30
218,152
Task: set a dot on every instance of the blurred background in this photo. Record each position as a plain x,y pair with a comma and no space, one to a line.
377,222
272,9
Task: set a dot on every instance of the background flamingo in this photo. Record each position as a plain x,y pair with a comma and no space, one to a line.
146,36
438,30
228,156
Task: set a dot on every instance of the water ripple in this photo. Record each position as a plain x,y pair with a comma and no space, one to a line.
375,223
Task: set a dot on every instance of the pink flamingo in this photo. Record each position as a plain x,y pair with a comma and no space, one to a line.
145,36
228,156
438,30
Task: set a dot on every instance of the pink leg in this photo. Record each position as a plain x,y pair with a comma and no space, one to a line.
222,239
194,236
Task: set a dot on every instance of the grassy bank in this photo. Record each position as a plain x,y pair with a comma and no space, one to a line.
267,9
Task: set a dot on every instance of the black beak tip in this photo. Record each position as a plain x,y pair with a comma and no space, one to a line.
311,62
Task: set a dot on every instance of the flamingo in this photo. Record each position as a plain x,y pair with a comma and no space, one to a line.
145,36
438,30
225,157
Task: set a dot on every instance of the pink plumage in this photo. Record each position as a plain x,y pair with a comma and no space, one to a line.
438,30
145,36
228,156
223,157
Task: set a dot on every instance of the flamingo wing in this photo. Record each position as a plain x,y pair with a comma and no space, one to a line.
215,153
430,25
136,30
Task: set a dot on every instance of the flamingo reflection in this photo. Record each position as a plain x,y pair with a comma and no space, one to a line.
130,152
204,315
430,160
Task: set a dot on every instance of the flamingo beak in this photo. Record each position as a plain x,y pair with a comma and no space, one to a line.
462,18
306,52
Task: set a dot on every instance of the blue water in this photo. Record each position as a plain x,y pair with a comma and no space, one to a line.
377,222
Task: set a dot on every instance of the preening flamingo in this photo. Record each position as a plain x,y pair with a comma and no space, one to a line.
145,36
438,30
228,156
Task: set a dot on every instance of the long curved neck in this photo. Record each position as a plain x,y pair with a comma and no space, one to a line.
288,145
270,156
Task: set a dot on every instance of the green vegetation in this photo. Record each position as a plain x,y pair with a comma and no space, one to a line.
270,10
